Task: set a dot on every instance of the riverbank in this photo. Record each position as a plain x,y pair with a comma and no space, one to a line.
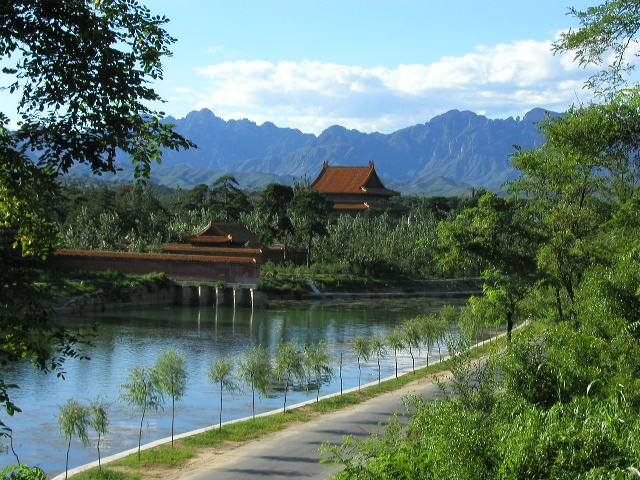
206,445
87,292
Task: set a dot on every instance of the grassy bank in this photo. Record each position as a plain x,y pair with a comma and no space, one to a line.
291,281
165,458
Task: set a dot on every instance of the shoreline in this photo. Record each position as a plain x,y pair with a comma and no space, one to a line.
167,440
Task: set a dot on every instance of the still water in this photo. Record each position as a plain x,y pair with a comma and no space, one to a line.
135,338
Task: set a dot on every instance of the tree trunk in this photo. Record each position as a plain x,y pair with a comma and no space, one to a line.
220,418
173,416
140,432
66,465
359,373
509,325
395,353
286,388
99,459
253,401
413,361
378,370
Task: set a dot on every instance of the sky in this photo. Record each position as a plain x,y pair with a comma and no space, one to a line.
372,65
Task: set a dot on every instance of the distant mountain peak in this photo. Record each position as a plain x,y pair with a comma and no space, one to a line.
459,145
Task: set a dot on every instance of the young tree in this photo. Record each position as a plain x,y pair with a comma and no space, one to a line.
378,348
428,325
362,348
141,391
171,378
73,420
98,420
220,372
254,369
318,363
412,337
395,341
289,363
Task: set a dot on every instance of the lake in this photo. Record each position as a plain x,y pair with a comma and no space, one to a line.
134,338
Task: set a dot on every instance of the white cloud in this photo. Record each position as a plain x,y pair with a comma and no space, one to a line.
498,80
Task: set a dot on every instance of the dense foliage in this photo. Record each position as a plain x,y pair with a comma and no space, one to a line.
562,401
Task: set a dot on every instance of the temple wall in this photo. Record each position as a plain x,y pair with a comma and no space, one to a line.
228,269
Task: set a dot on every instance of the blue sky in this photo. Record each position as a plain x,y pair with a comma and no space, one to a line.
372,65
368,64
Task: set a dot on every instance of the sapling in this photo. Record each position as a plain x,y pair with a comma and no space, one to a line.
412,337
141,391
73,420
378,348
395,341
171,378
289,363
318,363
99,422
220,372
254,369
362,348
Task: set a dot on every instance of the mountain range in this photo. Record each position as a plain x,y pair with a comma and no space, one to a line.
446,155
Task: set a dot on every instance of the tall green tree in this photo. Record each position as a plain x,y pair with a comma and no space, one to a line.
497,232
275,224
171,378
227,200
80,73
309,213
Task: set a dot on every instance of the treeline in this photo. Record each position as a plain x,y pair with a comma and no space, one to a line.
563,400
401,240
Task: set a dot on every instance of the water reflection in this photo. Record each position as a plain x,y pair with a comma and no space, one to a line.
135,338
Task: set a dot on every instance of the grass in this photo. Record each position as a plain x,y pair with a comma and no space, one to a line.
252,429
106,474
162,455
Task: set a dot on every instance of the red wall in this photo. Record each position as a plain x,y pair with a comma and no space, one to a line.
177,267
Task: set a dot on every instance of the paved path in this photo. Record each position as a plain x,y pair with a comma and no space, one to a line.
293,453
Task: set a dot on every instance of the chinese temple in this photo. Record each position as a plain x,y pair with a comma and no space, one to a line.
352,189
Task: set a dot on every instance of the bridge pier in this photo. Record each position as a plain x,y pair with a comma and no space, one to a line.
188,294
258,298
241,297
204,295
